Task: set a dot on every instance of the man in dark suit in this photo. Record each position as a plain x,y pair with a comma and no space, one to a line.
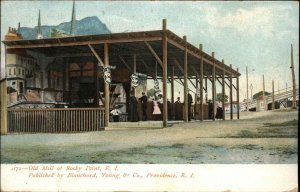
144,100
133,115
190,101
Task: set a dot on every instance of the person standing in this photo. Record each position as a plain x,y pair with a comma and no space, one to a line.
190,101
210,109
160,102
133,114
178,109
115,112
156,111
144,100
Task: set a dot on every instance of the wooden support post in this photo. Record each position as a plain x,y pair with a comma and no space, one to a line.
165,73
237,96
197,81
3,103
134,63
264,98
172,93
134,71
182,70
64,80
172,84
96,81
223,90
293,79
231,106
196,95
206,91
273,97
106,86
42,87
247,101
201,85
67,75
69,84
185,83
214,88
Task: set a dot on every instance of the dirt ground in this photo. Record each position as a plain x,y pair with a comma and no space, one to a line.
258,137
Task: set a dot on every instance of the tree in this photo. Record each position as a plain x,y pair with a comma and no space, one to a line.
220,97
256,95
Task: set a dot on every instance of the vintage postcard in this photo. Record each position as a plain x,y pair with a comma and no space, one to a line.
149,95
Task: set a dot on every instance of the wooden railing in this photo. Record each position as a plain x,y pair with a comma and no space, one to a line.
55,120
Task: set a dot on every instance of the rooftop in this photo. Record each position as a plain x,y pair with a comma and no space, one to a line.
122,47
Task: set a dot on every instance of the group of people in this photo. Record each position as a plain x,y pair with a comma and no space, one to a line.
133,114
157,108
219,111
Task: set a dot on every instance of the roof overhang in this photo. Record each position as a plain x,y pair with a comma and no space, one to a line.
125,45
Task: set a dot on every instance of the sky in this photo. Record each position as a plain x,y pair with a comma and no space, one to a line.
257,35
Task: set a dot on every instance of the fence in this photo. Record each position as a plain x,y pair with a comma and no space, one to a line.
278,95
55,120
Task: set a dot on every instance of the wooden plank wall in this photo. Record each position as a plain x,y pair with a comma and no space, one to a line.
55,120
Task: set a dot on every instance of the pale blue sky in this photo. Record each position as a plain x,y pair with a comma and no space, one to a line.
253,34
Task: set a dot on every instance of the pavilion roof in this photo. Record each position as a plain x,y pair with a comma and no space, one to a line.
122,47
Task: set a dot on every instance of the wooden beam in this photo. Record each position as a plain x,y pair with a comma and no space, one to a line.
197,74
180,81
3,102
223,92
228,85
134,71
273,99
206,99
134,63
172,84
125,63
154,53
63,55
96,81
96,55
176,44
180,68
214,88
152,74
185,68
201,85
106,87
86,42
231,106
165,74
237,96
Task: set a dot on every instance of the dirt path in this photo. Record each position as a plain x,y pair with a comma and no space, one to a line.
265,137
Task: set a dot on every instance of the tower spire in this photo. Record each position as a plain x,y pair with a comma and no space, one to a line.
39,28
73,21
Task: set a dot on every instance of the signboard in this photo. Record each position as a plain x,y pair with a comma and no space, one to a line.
156,87
107,75
134,80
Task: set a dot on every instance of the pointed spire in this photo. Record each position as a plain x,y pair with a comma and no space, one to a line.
19,26
73,21
39,29
39,23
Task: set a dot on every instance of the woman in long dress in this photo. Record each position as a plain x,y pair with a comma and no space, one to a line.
156,111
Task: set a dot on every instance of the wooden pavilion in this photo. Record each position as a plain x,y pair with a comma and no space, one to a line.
132,52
